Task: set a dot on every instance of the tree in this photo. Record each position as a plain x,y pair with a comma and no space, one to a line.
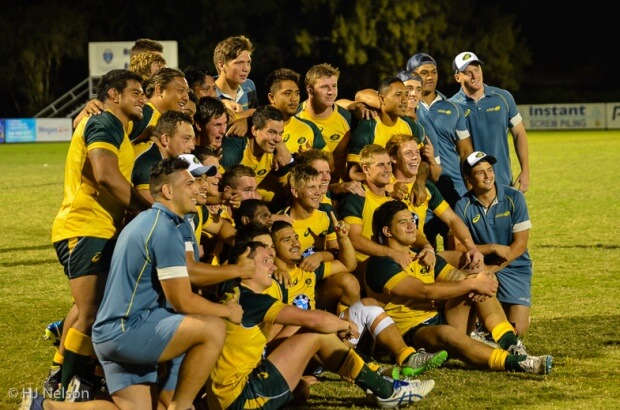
36,40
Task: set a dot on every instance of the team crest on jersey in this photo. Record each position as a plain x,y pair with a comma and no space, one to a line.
496,108
447,112
261,172
301,301
302,140
476,218
334,137
503,214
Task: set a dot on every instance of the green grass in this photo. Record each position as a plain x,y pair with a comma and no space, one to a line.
574,204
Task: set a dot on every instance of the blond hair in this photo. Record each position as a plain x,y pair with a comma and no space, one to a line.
316,72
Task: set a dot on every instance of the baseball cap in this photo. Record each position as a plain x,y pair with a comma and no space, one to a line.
196,168
419,59
404,75
464,59
474,158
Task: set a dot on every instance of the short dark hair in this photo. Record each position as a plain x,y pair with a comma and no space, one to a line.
263,114
208,108
201,152
161,78
161,173
278,226
238,248
196,75
117,80
246,233
234,172
169,122
142,45
386,83
274,78
247,208
383,217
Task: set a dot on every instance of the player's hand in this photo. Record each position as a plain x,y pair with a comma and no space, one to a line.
354,187
340,227
94,107
235,311
523,181
502,251
238,128
282,277
400,191
474,259
485,283
352,332
427,257
311,263
403,259
245,266
428,151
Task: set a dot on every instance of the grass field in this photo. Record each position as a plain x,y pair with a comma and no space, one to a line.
574,204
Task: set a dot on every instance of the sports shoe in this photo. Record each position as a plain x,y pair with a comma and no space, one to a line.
52,381
406,392
32,400
484,337
517,349
537,364
79,390
421,361
53,332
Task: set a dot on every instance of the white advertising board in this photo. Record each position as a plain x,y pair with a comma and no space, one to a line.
112,55
565,116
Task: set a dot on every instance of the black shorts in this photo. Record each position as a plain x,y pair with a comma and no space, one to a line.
85,255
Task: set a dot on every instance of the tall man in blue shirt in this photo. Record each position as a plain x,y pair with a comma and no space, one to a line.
491,112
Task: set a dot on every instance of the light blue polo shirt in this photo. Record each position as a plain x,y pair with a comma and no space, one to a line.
444,123
489,120
149,249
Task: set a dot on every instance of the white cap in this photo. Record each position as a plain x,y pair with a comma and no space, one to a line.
474,158
196,168
464,59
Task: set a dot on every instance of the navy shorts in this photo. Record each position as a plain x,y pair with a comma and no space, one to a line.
85,255
266,389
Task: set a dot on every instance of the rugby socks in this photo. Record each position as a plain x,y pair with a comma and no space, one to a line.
504,334
499,360
58,359
78,352
354,368
403,355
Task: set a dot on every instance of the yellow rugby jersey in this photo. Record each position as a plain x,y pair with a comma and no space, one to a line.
358,210
313,230
434,200
383,274
336,129
302,292
86,209
300,135
243,348
150,116
236,150
374,131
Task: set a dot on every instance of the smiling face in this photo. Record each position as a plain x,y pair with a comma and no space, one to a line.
182,142
183,191
322,167
395,100
414,88
206,89
482,177
266,239
212,183
379,171
286,98
308,194
471,79
269,136
174,96
245,186
407,159
131,100
265,267
287,245
325,91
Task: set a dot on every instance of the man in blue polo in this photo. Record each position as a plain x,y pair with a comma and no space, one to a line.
499,222
149,313
491,112
444,123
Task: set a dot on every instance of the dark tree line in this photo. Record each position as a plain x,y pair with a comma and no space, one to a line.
45,43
